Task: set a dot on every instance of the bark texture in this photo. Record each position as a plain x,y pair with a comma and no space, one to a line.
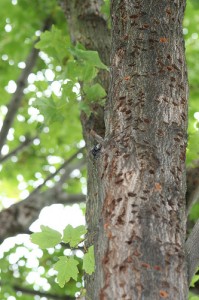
136,183
141,168
88,26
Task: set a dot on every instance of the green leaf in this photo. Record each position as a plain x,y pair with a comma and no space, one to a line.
50,109
105,10
55,44
95,92
67,91
47,238
88,73
73,236
194,212
67,269
73,70
89,261
194,279
91,57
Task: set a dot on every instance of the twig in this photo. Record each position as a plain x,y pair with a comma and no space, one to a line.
63,166
19,216
192,195
192,251
38,293
15,151
18,95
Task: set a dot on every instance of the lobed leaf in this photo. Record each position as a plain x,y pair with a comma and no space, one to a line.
67,269
89,261
47,238
73,236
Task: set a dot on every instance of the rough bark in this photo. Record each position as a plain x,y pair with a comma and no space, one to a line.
140,171
88,26
136,185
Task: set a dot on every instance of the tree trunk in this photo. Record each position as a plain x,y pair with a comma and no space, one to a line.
141,167
136,182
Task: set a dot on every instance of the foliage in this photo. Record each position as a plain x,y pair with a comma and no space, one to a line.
194,280
50,109
77,65
66,267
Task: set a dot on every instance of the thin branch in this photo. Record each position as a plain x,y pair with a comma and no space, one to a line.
63,166
17,288
18,95
192,251
18,149
18,217
192,195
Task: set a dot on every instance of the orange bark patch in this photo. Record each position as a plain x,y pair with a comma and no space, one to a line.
163,294
106,226
163,40
145,25
168,11
169,68
145,265
136,253
157,268
158,187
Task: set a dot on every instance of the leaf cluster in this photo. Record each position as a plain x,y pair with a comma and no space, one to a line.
66,266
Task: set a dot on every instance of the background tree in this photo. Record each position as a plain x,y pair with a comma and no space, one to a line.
43,146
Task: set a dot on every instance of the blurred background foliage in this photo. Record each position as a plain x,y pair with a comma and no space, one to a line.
50,112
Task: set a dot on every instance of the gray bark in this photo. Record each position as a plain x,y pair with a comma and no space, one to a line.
137,217
141,169
146,123
88,26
